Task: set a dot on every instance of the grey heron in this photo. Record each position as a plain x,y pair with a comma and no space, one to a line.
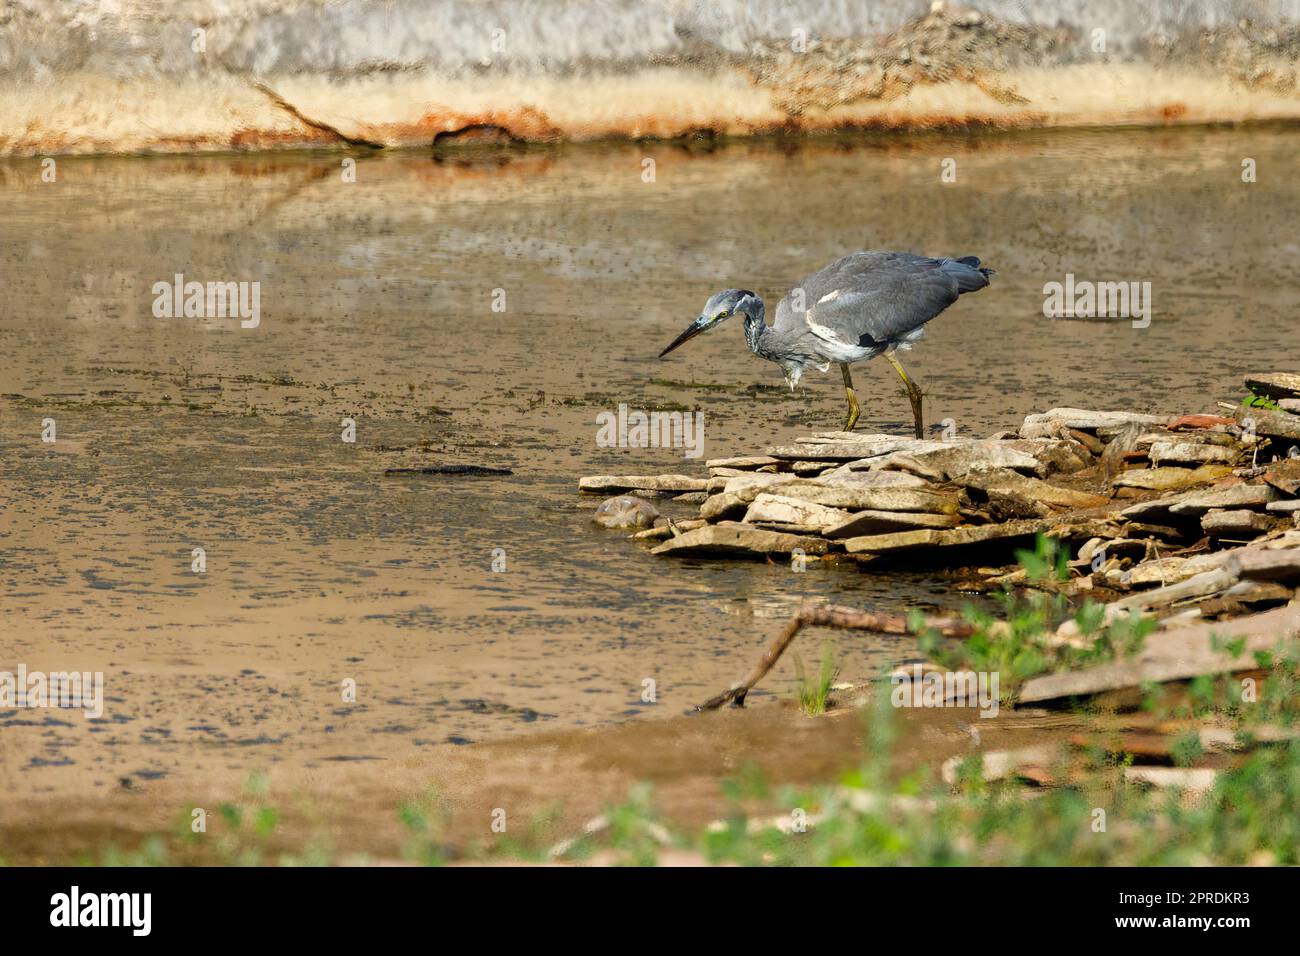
863,305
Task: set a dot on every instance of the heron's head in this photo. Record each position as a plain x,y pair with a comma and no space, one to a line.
720,307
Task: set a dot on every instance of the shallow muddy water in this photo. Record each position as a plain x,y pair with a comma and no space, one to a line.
377,304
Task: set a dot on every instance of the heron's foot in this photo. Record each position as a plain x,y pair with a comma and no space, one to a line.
914,398
854,411
913,392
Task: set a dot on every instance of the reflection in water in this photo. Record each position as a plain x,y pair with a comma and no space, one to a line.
377,304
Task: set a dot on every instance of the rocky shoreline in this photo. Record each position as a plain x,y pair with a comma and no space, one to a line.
1194,519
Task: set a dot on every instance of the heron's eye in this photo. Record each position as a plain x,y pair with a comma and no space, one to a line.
722,314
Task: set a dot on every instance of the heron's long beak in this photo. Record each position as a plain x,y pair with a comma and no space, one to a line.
692,330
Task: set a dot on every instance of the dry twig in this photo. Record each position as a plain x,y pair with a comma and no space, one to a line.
829,615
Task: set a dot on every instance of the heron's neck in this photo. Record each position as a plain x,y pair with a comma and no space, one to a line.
755,327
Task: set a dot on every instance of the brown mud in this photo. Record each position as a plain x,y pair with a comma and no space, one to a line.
550,785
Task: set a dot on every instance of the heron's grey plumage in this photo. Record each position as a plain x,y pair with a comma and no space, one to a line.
862,305
873,299
856,308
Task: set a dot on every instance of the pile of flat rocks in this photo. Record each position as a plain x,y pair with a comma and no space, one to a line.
1143,502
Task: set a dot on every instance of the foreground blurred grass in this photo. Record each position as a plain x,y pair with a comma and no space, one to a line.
1094,816
1251,816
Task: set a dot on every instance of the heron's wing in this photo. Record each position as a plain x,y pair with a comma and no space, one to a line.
872,298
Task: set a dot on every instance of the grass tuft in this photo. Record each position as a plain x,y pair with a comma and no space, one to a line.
814,696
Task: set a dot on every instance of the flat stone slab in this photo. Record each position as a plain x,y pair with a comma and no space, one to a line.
942,464
1269,423
1275,385
739,491
736,539
851,450
1171,478
1238,521
617,483
1032,489
1201,501
847,475
1238,496
1189,453
1290,506
750,483
937,459
880,522
1169,570
1048,424
1259,564
742,461
869,498
956,537
1155,508
1212,436
776,509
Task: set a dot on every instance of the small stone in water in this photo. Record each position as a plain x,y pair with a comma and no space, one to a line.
624,511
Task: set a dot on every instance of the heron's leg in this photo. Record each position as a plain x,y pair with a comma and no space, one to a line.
853,398
913,394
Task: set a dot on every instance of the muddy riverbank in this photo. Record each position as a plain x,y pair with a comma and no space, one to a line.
549,784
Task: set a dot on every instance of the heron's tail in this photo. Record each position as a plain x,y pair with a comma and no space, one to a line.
968,272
